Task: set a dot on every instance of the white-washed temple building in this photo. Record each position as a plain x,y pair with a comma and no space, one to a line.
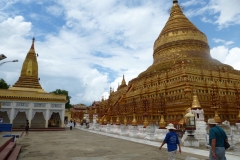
26,99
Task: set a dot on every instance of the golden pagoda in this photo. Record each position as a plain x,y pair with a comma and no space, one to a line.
27,100
181,60
28,79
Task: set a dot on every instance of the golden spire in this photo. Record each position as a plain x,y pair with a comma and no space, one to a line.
195,103
179,31
123,82
28,79
179,37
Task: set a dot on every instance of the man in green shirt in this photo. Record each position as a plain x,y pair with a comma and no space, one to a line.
217,136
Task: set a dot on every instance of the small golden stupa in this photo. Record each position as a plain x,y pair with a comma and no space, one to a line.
29,80
26,98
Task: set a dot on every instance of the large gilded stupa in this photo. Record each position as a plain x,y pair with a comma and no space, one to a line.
164,92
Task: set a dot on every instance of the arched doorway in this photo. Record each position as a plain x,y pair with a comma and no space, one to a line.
55,120
5,115
38,120
20,118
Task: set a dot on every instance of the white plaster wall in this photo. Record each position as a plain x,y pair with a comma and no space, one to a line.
38,120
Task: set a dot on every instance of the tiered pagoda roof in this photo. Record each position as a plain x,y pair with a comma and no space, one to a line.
28,79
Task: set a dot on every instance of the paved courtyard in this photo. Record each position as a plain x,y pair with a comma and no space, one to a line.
81,145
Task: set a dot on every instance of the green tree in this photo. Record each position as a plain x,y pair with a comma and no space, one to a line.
64,92
3,84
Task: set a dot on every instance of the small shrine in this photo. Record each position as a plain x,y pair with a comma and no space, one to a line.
27,100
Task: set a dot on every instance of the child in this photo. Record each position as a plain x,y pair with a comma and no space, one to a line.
172,141
26,128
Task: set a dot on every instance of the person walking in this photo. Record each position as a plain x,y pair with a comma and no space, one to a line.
71,124
74,122
217,136
172,141
1,119
26,128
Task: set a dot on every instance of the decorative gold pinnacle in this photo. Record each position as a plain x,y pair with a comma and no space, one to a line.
162,123
28,79
195,103
134,121
145,123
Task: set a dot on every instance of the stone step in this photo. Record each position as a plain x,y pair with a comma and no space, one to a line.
7,150
14,154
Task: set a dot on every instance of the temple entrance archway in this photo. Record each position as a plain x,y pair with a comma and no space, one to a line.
19,119
66,120
55,120
38,120
5,116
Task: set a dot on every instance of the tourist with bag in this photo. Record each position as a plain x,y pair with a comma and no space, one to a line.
217,140
172,141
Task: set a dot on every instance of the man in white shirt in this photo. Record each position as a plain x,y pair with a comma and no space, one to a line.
71,124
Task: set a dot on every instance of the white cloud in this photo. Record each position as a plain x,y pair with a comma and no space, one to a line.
228,12
14,27
54,10
221,12
227,56
233,58
192,3
207,20
216,40
219,53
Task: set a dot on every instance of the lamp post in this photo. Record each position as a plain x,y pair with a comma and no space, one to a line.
2,56
8,61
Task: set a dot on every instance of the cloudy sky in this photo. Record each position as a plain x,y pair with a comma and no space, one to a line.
85,46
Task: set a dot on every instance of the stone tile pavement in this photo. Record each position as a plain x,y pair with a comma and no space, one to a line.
83,145
191,153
